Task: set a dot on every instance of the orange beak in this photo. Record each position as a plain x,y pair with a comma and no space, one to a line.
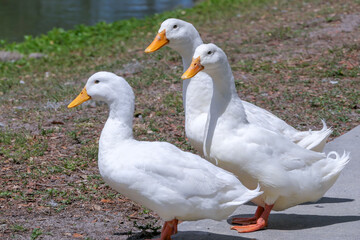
194,68
82,97
159,41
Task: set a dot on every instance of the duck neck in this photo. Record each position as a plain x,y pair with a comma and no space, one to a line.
224,102
119,124
223,88
187,51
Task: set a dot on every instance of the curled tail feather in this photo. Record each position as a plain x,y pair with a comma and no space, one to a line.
315,140
337,164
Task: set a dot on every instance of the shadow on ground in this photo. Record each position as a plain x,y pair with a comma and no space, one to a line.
187,235
198,235
329,200
321,200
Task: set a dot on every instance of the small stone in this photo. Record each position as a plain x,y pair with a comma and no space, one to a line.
6,56
53,105
244,77
22,82
97,207
330,80
53,203
36,55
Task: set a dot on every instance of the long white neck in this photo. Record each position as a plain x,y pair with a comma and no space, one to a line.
224,103
119,125
187,51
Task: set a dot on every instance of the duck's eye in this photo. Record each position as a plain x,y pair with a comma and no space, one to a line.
97,81
209,52
175,26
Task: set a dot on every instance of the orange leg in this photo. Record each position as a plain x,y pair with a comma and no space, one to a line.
251,220
169,228
261,222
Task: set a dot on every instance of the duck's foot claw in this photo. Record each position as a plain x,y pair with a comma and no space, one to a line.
260,224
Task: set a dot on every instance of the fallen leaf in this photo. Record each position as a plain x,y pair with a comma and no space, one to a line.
106,201
77,235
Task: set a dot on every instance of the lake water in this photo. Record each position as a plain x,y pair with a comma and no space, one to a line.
33,17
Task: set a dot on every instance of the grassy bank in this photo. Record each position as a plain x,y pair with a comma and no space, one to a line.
298,59
81,46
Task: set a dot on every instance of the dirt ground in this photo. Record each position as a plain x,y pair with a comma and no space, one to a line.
271,50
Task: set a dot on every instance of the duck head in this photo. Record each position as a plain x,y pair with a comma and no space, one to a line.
104,86
207,58
175,33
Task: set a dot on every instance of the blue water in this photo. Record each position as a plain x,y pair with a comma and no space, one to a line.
33,17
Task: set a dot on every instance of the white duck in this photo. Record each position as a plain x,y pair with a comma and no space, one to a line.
175,184
287,173
184,38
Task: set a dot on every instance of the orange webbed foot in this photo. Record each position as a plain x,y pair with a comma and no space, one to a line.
260,224
251,220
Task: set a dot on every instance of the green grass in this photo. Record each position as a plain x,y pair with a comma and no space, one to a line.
18,228
280,33
75,49
36,233
174,100
20,147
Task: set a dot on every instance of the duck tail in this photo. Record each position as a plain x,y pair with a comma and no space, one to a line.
335,165
244,197
316,140
328,170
